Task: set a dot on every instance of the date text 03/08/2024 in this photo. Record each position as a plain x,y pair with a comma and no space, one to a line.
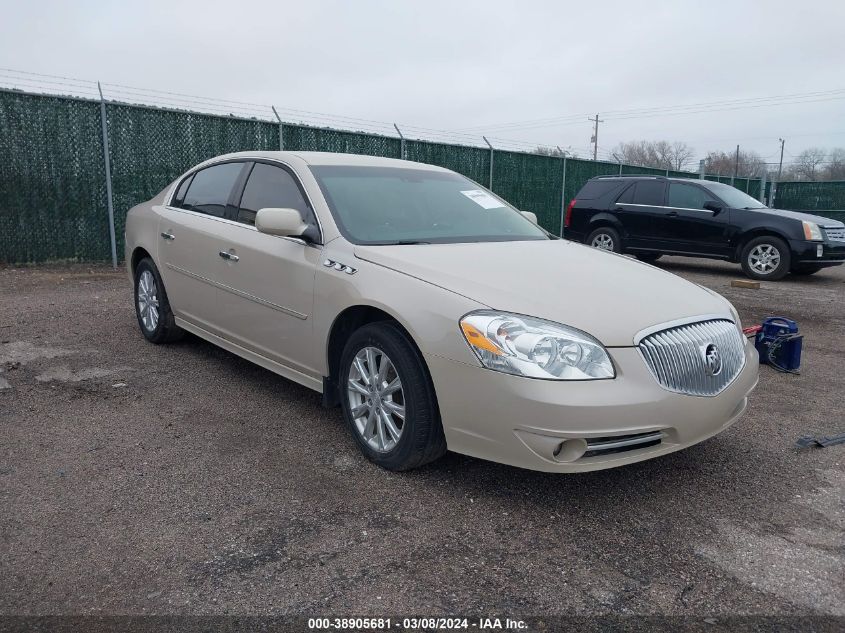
411,624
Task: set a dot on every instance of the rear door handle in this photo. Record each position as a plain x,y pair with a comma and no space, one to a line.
168,236
672,214
230,256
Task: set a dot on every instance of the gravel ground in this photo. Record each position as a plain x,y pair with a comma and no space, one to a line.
142,479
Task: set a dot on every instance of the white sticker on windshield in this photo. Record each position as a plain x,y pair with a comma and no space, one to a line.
483,199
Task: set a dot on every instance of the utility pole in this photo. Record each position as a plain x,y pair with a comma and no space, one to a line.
780,165
595,138
736,165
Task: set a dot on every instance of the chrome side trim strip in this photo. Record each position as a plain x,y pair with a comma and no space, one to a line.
239,293
660,206
633,441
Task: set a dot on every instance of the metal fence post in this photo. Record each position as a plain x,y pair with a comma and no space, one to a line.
491,162
401,142
763,188
281,129
701,169
107,161
563,196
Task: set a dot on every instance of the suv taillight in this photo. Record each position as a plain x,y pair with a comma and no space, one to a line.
568,216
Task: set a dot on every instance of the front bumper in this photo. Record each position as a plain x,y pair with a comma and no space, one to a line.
523,422
804,252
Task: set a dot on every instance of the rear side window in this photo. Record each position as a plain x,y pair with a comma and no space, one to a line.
179,198
649,192
597,189
270,186
210,188
687,196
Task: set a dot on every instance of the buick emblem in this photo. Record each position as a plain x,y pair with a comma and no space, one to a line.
712,360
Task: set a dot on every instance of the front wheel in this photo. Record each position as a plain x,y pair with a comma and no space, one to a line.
605,238
766,258
388,400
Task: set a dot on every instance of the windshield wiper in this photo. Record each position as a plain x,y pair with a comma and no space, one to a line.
406,243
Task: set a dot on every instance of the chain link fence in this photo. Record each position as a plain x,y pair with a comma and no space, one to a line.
54,205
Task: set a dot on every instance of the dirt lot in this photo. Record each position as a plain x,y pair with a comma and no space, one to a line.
181,479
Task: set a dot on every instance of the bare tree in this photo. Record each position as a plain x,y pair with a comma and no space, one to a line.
751,164
556,152
659,154
807,165
835,167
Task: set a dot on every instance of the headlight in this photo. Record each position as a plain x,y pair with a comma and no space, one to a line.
812,231
535,348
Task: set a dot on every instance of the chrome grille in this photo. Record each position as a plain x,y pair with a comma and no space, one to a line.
677,356
835,233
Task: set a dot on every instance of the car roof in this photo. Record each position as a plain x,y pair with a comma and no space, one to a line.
632,177
332,158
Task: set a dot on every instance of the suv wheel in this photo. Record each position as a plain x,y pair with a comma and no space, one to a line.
605,238
766,258
152,308
388,400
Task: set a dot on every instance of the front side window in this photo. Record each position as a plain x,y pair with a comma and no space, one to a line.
390,205
649,193
210,188
270,186
733,197
686,196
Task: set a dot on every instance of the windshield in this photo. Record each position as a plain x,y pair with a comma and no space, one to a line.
391,205
733,197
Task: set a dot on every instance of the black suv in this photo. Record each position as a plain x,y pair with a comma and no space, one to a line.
649,216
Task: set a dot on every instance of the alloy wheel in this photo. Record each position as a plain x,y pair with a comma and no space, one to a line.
148,300
764,259
602,241
376,399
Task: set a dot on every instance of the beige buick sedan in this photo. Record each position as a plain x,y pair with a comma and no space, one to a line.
435,314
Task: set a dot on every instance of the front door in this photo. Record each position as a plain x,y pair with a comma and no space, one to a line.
267,297
690,228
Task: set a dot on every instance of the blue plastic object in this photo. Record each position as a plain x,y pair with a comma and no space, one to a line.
779,344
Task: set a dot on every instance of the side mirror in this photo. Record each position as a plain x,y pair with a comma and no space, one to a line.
530,215
282,222
712,205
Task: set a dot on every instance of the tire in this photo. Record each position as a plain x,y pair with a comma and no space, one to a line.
420,438
649,258
152,309
804,270
756,266
605,235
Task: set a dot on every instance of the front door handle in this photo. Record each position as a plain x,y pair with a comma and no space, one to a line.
168,236
229,256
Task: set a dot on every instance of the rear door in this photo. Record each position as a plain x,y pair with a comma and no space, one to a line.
191,235
641,211
690,228
267,296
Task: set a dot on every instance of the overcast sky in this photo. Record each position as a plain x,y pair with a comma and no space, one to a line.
458,65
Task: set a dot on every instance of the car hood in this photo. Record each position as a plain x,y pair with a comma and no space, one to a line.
800,216
609,296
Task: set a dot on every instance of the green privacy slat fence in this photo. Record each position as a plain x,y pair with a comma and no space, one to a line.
150,148
52,179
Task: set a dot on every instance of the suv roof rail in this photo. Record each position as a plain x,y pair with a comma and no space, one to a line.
655,176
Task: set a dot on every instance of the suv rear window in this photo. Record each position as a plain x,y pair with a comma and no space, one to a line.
596,189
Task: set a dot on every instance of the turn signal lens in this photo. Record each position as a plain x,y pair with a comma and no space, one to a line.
812,231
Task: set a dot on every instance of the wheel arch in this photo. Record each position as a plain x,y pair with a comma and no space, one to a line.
345,323
762,231
138,254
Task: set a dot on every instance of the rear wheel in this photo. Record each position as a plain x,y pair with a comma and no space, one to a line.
388,400
155,318
605,238
766,258
648,258
806,269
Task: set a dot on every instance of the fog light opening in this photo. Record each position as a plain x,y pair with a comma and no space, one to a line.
570,450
